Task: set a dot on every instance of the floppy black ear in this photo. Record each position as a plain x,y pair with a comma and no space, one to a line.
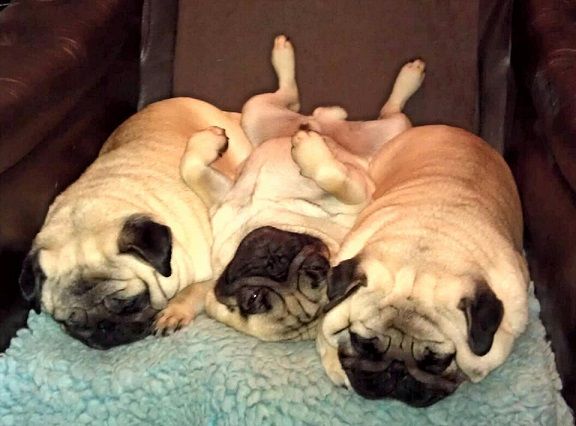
149,241
32,279
343,281
484,314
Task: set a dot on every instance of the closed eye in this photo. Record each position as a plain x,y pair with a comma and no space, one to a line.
434,363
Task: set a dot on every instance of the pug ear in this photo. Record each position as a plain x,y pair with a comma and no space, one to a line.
149,241
484,314
32,279
343,281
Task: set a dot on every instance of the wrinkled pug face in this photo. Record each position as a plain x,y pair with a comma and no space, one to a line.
274,286
97,284
393,346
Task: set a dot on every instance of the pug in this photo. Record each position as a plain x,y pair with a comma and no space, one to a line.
129,233
430,286
297,196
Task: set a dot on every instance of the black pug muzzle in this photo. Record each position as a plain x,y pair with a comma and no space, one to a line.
270,262
113,322
392,373
97,319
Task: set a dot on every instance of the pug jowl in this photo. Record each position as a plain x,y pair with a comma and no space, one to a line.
297,196
129,233
430,286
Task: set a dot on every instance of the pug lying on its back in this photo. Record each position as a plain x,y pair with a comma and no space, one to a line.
129,233
295,199
430,287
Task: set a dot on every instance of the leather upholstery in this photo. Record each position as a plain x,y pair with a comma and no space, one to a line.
157,50
543,154
68,77
496,88
52,52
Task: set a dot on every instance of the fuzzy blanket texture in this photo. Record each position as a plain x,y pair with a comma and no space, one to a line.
209,374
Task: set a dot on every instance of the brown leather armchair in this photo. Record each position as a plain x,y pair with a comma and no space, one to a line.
73,75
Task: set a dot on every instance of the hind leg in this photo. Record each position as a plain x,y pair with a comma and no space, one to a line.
202,149
407,82
343,181
284,63
367,137
272,115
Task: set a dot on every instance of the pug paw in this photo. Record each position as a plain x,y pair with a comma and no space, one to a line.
411,76
331,363
330,113
207,145
284,63
283,55
173,318
310,153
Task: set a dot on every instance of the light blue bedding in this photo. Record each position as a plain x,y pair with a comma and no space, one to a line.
210,375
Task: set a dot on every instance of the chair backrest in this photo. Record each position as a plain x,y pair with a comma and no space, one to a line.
348,53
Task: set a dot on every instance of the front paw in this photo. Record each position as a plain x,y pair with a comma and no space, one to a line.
173,318
331,363
207,145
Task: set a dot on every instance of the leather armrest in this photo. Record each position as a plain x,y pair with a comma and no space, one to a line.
69,74
51,55
542,153
547,55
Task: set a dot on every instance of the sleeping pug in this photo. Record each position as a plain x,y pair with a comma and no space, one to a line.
295,199
430,287
129,233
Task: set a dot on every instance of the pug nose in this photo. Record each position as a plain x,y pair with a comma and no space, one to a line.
397,369
77,318
106,326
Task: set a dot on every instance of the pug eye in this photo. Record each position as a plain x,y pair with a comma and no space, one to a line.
314,270
126,306
310,280
253,300
434,363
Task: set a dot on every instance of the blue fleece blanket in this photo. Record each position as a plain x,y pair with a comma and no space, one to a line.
210,375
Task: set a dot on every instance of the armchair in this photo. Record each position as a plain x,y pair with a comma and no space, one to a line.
70,72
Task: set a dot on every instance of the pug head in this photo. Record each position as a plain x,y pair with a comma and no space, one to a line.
387,342
274,286
96,284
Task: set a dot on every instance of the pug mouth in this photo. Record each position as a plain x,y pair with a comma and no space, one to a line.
109,333
394,382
